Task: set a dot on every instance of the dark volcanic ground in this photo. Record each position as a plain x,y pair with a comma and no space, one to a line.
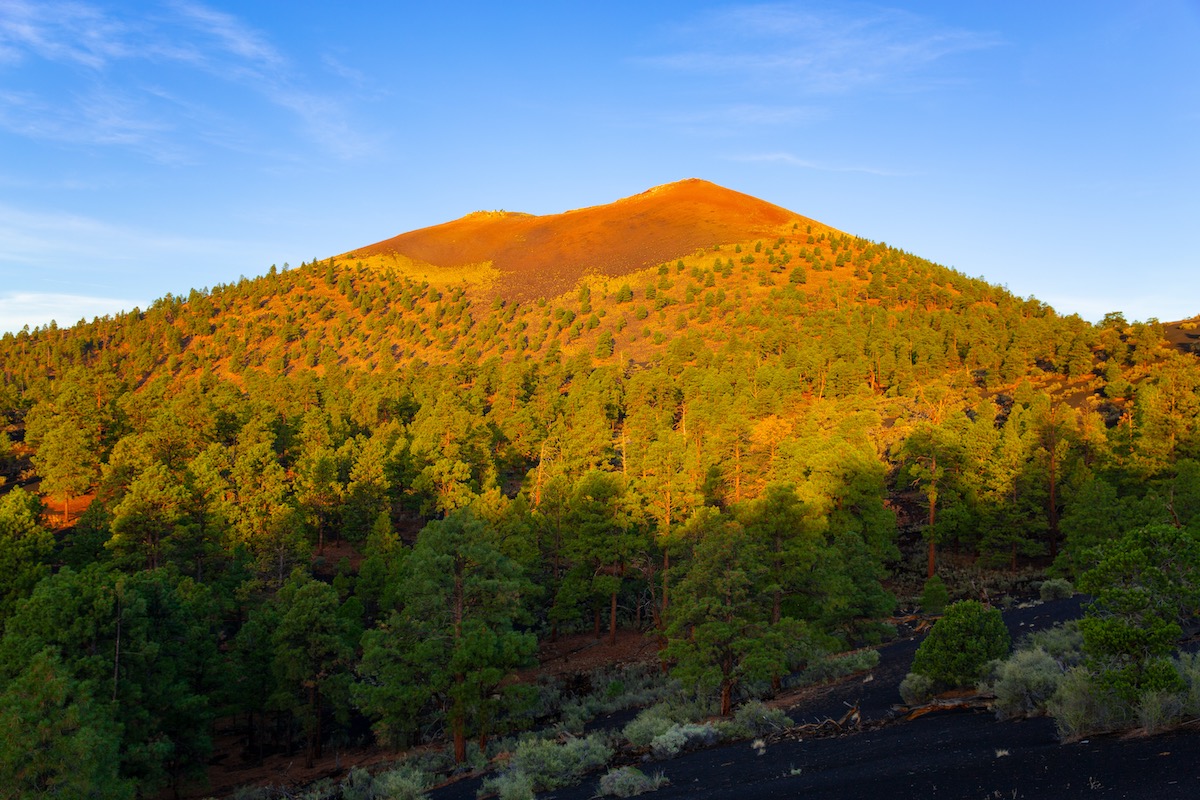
950,754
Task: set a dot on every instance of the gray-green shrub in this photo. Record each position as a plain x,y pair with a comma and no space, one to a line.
1024,683
629,782
839,665
759,719
678,738
1064,642
1157,711
649,723
551,765
1083,706
508,785
1056,589
1188,667
916,688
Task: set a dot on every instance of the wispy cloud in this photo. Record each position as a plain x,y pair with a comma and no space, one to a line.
70,32
803,163
818,50
734,117
231,35
29,239
1162,306
101,48
18,309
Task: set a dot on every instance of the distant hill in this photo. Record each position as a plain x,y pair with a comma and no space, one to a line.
522,256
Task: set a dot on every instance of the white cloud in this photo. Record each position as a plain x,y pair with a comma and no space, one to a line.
34,239
817,50
802,163
18,309
108,48
232,35
71,32
1164,307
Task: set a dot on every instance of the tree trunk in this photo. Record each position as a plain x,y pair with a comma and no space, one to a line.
1053,503
612,620
666,566
460,742
310,748
932,568
726,698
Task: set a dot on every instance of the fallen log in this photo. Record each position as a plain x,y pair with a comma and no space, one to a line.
980,702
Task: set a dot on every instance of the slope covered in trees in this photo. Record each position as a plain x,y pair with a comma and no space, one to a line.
721,448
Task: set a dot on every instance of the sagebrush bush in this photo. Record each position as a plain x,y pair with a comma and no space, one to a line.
629,782
837,666
1024,683
1056,589
1063,642
961,644
508,785
916,689
1157,711
1188,667
678,738
358,785
551,765
256,793
645,726
324,789
1083,706
759,719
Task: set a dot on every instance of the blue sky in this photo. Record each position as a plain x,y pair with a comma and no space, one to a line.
149,147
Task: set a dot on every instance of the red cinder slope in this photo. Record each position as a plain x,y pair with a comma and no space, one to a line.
543,256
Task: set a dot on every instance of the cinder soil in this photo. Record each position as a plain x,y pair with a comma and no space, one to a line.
952,754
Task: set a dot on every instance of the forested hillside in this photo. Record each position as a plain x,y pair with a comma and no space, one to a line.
345,495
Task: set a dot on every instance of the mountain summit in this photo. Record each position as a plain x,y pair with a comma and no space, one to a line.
525,256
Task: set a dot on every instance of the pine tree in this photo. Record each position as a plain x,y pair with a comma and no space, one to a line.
453,641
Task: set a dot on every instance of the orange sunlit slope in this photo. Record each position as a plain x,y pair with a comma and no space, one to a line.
542,256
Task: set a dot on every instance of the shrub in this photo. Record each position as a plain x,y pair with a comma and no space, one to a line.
550,765
916,689
1082,706
1056,589
1063,642
934,596
1025,683
1157,711
758,719
629,782
838,666
1188,667
324,789
678,738
650,723
508,785
962,643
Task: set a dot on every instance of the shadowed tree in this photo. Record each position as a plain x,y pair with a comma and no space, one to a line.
453,644
313,652
55,741
25,548
720,634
